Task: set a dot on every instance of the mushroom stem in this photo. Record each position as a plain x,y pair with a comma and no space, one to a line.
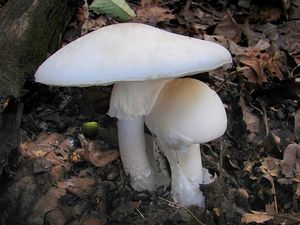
187,173
133,153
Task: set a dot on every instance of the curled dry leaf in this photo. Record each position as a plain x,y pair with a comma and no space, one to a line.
255,64
251,120
257,218
291,161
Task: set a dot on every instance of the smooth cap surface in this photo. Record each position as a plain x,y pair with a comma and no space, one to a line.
187,111
129,52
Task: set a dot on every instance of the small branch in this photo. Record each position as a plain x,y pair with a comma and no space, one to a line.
140,213
265,117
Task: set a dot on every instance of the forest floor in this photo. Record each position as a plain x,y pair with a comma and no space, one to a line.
61,177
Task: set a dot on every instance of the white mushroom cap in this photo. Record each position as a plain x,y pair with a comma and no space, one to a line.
129,52
187,111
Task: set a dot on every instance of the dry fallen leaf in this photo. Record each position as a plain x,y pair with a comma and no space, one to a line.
251,120
229,28
255,64
271,165
101,158
257,218
291,161
150,12
45,204
79,186
44,144
93,153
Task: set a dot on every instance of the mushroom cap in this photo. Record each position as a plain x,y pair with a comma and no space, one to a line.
129,52
187,111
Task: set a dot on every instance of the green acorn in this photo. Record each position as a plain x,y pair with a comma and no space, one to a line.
90,129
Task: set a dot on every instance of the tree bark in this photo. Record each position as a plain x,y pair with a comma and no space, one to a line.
29,29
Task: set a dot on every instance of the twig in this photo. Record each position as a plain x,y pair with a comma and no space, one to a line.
187,6
221,158
140,213
178,206
224,81
265,117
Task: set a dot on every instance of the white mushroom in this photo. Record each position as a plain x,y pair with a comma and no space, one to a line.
186,112
131,52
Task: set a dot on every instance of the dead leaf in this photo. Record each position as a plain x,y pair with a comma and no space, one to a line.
271,165
47,203
255,64
257,218
93,153
229,28
93,24
79,186
3,103
101,158
55,217
150,12
251,120
41,165
82,14
44,144
217,39
57,171
291,161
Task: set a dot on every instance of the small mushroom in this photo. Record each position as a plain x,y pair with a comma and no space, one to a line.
139,59
187,112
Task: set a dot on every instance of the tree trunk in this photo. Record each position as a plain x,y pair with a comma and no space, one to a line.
29,29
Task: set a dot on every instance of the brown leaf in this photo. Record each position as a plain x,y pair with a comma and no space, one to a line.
44,144
228,28
271,165
41,165
255,64
251,120
93,153
102,158
47,203
291,161
55,217
57,171
257,218
93,24
150,12
79,186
